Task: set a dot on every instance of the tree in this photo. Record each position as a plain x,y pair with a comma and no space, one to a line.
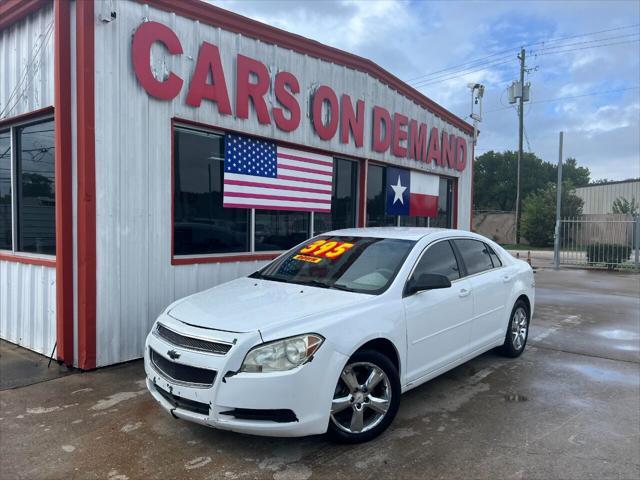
623,206
495,174
539,213
573,174
495,177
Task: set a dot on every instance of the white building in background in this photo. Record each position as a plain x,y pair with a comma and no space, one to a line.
599,198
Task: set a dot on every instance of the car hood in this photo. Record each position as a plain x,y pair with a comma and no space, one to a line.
249,304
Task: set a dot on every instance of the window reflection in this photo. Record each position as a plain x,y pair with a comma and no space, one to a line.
5,190
201,224
376,198
344,199
280,230
36,188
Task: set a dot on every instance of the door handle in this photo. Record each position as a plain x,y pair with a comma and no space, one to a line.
464,293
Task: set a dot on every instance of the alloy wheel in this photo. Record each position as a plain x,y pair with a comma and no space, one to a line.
362,398
519,327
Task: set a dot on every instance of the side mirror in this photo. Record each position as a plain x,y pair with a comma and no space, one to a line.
426,281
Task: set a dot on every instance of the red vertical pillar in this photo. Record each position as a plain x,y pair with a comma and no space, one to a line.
63,181
86,182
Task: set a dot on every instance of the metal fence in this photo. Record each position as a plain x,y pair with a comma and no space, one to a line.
600,241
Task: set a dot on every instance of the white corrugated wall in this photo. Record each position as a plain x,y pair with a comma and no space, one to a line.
27,292
598,199
28,305
135,278
26,60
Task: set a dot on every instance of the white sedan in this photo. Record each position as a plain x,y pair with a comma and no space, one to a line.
326,337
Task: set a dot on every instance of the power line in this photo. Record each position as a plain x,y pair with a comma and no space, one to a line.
469,63
495,63
615,37
557,99
585,34
472,63
585,48
443,78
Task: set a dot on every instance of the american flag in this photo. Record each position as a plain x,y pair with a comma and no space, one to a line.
260,174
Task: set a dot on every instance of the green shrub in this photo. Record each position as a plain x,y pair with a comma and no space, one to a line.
539,214
611,254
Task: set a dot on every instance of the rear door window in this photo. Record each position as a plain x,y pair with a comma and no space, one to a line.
494,257
475,255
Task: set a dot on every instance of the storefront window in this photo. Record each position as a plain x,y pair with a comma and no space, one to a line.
416,222
445,205
35,178
5,190
344,199
280,230
201,224
376,198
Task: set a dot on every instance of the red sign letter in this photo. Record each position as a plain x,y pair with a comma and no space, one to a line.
461,154
351,121
256,91
381,115
418,141
434,147
399,135
209,61
448,150
147,34
288,101
325,94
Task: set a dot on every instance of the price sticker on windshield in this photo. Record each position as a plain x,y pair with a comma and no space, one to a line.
326,249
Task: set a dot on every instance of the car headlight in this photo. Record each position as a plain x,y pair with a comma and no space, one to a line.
282,355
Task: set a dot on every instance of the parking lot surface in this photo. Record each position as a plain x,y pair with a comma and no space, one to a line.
568,408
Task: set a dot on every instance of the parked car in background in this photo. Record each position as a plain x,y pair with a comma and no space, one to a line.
327,337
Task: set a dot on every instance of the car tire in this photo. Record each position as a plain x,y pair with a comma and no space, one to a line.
366,398
515,339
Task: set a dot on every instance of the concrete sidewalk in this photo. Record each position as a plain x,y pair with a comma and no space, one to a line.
539,258
20,367
569,408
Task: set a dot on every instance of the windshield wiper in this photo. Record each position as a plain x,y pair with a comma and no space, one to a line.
262,276
315,283
344,288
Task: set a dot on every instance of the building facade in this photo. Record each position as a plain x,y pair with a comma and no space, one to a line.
115,134
598,198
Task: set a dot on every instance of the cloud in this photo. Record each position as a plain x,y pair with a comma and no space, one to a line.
412,39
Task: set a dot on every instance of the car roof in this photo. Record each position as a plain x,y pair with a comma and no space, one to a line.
403,233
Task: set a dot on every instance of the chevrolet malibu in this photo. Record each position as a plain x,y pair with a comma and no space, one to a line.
327,336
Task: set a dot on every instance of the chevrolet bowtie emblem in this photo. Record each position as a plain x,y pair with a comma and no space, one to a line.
173,354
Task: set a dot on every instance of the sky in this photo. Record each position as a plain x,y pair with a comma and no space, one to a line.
417,40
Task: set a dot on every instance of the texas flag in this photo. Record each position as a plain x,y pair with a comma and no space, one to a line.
411,193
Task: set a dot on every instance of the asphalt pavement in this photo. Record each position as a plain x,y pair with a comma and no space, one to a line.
568,408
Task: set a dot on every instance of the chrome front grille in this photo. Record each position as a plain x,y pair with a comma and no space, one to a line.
191,343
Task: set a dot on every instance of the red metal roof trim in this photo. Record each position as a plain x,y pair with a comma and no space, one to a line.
12,11
212,15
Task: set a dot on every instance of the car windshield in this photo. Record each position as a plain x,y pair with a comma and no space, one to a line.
356,264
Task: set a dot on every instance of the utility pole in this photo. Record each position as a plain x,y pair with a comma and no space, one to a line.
521,57
556,239
477,92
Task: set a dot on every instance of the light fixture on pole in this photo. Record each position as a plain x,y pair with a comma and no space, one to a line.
477,92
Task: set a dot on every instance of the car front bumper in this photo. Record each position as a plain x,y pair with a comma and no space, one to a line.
259,403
